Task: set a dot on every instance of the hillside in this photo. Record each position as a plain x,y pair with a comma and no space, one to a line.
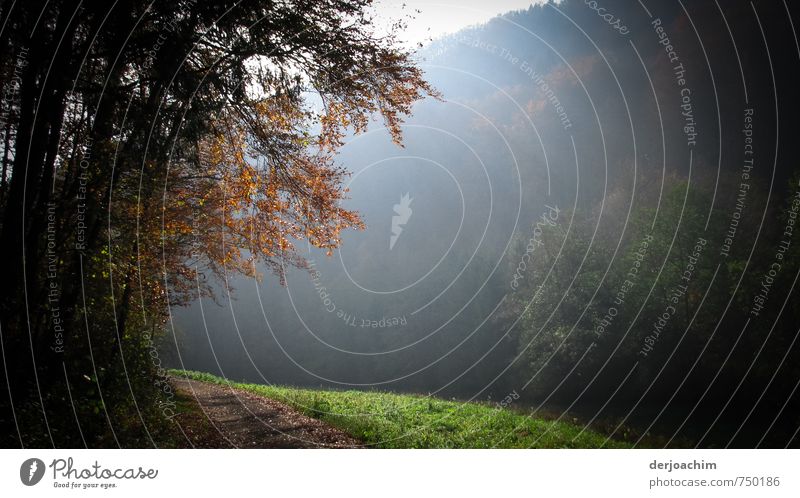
388,420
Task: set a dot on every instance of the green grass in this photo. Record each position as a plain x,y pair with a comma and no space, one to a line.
388,420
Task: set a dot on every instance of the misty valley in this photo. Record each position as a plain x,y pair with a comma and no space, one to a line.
305,224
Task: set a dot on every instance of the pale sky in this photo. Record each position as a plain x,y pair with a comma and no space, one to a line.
441,17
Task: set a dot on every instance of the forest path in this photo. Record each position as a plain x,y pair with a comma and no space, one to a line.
246,420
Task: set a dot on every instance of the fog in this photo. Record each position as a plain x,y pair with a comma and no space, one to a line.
507,225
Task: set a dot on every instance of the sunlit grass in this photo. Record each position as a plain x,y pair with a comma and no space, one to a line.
388,420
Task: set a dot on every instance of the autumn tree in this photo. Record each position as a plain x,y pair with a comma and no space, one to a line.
152,142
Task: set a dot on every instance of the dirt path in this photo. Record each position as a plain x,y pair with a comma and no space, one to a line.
246,420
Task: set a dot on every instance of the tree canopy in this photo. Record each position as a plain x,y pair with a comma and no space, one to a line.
148,145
